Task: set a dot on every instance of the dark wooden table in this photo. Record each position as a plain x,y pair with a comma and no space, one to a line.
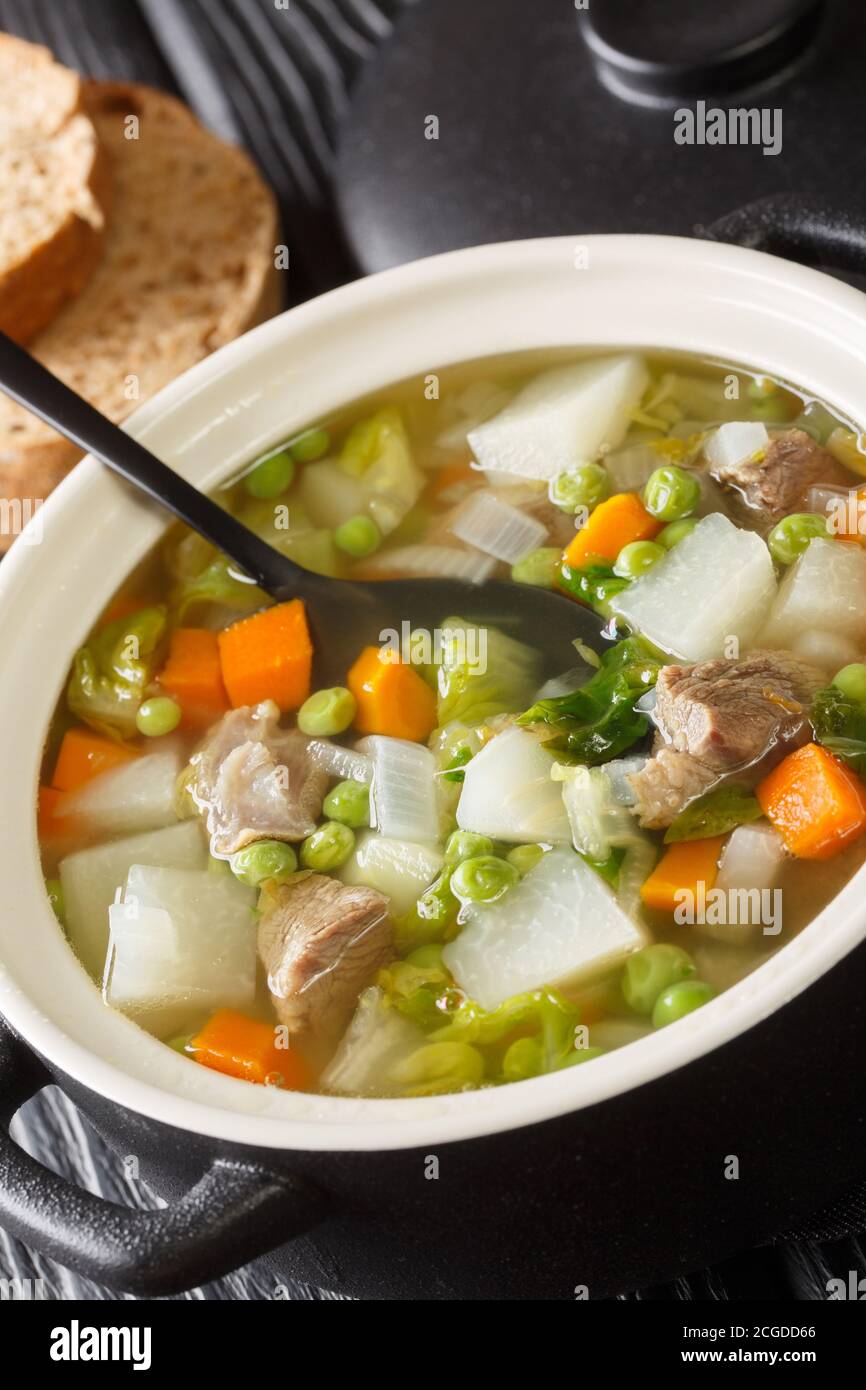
277,79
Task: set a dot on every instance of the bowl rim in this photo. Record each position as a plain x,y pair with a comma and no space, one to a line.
123,1064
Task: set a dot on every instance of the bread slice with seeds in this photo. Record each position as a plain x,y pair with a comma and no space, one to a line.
188,265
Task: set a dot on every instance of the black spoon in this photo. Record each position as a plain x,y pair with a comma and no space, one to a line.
344,615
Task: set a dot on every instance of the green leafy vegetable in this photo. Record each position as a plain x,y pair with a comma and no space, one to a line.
434,916
599,722
714,813
541,1017
839,723
454,770
217,583
594,585
482,672
110,674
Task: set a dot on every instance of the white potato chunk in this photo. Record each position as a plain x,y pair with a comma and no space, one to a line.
824,590
717,584
751,863
183,942
562,417
508,792
560,925
90,879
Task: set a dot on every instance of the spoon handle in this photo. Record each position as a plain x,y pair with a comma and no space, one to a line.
31,384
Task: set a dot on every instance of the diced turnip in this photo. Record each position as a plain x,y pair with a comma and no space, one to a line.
496,528
183,943
377,1038
403,801
824,589
563,417
750,867
330,494
733,443
560,925
91,878
509,794
135,796
826,649
716,584
398,868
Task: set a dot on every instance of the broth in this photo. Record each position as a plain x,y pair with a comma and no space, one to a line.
522,902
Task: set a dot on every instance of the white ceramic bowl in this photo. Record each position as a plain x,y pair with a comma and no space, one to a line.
653,292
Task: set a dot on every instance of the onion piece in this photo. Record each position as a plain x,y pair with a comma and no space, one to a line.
434,562
403,801
346,763
618,772
497,528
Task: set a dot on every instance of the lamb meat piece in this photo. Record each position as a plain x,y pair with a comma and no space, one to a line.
722,717
778,483
256,781
321,942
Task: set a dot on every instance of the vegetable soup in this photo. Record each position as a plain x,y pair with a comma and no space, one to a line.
450,871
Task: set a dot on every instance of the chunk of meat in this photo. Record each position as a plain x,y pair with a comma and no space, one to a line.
255,781
321,942
778,482
721,717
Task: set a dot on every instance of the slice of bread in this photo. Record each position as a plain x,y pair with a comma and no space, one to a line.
188,265
53,189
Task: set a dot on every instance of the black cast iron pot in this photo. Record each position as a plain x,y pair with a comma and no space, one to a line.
717,1133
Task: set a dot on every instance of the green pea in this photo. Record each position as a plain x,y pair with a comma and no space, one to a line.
158,716
851,680
525,857
680,999
652,970
585,485
328,847
465,844
54,889
427,957
671,493
483,878
523,1058
539,567
791,536
676,531
358,537
327,712
636,558
265,861
349,803
311,445
270,476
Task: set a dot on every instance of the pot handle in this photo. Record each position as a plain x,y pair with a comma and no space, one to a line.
801,228
234,1213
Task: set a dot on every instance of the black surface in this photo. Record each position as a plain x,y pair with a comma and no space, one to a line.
503,180
533,142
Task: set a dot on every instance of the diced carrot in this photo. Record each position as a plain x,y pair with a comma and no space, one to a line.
391,696
247,1048
815,801
620,520
268,656
48,822
193,675
454,474
681,869
84,755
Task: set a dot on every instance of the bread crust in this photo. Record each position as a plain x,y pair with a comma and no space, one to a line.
145,311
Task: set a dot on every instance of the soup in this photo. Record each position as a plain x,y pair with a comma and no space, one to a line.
450,872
